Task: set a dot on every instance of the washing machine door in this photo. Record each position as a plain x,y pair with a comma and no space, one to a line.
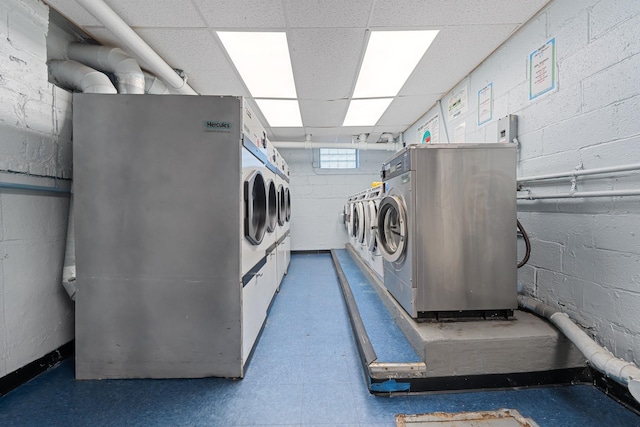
371,213
346,214
272,206
255,212
359,223
392,228
282,208
287,199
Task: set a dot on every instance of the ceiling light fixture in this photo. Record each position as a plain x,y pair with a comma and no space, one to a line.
262,59
280,112
365,112
389,60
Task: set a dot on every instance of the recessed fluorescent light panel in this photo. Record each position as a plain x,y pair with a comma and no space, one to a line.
389,60
280,113
366,112
262,59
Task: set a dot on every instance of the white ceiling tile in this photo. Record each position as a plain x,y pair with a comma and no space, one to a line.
245,14
323,134
404,111
75,13
453,54
323,113
288,134
325,63
327,13
420,13
157,13
198,53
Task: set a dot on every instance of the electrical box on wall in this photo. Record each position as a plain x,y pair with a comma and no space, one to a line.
508,128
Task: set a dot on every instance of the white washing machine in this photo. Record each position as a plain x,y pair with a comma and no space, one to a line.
287,216
283,242
372,254
445,230
258,253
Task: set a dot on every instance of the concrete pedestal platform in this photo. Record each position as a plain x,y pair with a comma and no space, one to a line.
524,347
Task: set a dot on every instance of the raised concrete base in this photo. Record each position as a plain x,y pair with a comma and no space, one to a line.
525,344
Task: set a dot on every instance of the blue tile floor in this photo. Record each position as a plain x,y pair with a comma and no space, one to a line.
305,371
385,335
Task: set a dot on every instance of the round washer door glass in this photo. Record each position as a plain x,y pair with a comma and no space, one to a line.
360,222
392,228
371,213
272,206
255,201
287,197
282,207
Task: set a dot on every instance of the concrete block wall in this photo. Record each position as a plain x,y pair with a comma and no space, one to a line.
318,196
36,316
586,252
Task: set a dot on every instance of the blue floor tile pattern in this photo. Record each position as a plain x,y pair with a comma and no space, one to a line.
305,371
387,339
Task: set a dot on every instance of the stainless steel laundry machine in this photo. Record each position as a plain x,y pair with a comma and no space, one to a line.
371,249
446,229
175,262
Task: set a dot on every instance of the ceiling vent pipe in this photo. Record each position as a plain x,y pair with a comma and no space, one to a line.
134,43
129,77
154,86
357,145
620,370
74,75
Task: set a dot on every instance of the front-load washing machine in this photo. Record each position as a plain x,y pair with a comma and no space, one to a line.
372,254
283,243
446,230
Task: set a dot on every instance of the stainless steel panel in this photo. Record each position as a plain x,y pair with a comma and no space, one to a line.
158,223
464,245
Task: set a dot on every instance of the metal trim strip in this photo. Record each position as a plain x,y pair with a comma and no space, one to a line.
254,271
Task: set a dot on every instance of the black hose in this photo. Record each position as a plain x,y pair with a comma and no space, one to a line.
527,243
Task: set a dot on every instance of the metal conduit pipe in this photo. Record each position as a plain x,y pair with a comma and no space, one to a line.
582,172
107,17
578,194
308,145
620,370
74,75
129,77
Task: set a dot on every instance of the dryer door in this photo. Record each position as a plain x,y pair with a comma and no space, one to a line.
287,199
371,213
272,206
392,228
359,224
282,207
255,203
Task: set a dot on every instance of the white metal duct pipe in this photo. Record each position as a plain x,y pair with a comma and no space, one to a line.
308,145
107,17
620,370
528,195
582,172
74,75
129,77
154,85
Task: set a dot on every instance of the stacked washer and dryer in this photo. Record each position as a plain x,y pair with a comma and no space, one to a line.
176,232
283,235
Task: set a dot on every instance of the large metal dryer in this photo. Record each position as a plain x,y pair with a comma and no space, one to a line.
176,236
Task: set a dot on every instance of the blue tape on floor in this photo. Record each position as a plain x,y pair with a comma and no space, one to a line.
387,339
389,386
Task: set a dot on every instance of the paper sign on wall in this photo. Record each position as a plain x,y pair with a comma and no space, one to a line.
542,69
457,104
459,133
485,104
429,133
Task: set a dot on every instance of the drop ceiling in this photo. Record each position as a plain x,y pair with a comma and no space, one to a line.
327,40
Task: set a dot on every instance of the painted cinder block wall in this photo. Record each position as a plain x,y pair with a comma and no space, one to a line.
319,195
586,252
36,316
